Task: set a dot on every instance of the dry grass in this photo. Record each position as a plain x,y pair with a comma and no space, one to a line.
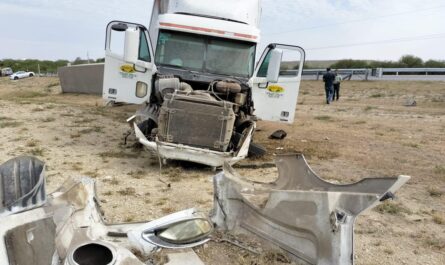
48,119
118,154
136,174
434,192
438,219
91,174
10,124
392,208
37,151
129,191
32,143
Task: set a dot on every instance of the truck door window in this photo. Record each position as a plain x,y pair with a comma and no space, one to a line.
290,63
117,41
144,51
262,72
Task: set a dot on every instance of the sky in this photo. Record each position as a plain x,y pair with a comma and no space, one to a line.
326,29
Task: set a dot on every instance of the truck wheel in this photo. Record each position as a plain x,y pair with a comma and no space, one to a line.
31,75
16,78
256,150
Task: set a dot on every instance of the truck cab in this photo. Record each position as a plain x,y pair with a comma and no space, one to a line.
195,74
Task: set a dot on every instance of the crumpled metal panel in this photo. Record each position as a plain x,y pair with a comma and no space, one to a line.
68,228
308,217
22,185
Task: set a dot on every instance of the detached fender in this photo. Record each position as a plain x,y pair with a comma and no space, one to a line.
311,219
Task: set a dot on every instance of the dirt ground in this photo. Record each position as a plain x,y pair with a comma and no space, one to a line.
368,133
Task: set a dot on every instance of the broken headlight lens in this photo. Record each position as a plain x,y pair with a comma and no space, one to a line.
186,232
141,89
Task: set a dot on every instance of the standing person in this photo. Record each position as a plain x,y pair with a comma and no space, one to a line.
328,79
337,82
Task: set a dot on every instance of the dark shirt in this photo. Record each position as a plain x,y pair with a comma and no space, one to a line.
328,79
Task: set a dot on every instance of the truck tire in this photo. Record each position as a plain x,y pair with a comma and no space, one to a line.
31,75
16,78
256,150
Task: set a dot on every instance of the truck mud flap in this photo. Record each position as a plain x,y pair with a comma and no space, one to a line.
311,219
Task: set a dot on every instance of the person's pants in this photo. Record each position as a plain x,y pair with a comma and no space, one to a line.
336,94
329,93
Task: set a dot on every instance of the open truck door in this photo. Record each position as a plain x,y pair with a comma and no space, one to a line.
276,82
129,63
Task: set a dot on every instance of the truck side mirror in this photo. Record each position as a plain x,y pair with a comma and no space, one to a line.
273,70
131,48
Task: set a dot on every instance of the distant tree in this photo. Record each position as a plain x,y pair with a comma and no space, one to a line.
434,64
79,60
100,60
410,61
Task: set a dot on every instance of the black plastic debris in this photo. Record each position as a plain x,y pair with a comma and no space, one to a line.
278,135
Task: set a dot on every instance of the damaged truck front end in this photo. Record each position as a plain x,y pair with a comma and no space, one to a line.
299,213
195,74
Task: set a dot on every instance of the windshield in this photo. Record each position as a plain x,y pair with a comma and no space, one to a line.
205,53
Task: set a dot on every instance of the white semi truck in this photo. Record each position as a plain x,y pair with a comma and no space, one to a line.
195,73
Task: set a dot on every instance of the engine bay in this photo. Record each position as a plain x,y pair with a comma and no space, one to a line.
215,116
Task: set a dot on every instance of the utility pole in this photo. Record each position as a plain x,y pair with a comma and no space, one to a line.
38,69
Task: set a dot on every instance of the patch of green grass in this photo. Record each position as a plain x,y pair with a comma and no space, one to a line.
323,118
392,208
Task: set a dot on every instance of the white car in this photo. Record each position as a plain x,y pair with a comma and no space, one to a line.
21,74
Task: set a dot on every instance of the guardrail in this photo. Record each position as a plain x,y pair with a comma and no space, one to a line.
381,73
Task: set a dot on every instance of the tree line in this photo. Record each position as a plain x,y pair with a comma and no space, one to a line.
406,61
46,66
